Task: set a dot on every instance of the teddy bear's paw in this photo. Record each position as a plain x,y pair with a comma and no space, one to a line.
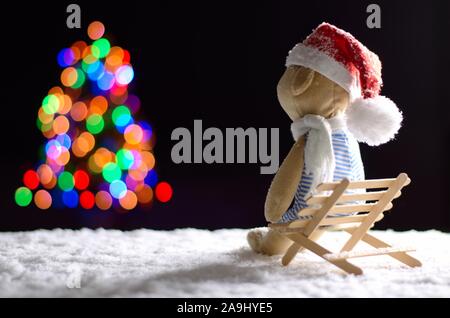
255,238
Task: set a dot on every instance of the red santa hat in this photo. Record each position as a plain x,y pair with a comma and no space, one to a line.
339,56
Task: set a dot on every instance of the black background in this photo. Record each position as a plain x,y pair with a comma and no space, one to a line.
220,62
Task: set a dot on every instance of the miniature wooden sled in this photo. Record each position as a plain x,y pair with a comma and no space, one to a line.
361,211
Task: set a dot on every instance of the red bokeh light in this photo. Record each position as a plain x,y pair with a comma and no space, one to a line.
163,192
87,200
81,179
31,179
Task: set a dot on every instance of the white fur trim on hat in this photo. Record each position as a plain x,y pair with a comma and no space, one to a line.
373,121
322,63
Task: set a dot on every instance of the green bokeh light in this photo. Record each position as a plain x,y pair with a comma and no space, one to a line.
121,115
23,196
100,48
46,127
124,159
39,123
80,79
111,172
50,104
66,181
95,124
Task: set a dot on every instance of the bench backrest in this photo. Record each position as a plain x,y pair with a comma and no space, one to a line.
353,207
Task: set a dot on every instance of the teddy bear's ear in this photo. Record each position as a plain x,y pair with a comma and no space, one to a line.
301,81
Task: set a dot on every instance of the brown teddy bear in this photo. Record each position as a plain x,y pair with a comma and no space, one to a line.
330,90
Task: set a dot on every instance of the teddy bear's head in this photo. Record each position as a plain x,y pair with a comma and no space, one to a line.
302,91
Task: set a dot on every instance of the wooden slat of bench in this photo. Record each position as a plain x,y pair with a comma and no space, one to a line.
300,224
373,252
345,208
379,207
365,184
347,219
367,196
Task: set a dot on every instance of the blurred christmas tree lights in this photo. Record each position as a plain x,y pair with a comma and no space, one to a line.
97,154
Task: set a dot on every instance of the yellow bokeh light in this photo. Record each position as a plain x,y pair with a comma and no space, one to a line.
65,104
89,139
42,199
144,193
92,165
69,76
95,30
133,134
61,125
102,156
79,111
139,173
44,117
77,149
129,201
103,200
64,157
55,90
149,159
78,49
98,105
52,183
45,174
47,130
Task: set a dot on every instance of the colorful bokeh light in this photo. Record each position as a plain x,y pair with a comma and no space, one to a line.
81,179
121,116
111,172
43,199
103,200
96,30
66,181
129,200
124,74
87,200
124,159
97,155
23,196
69,76
95,123
79,111
100,48
118,189
31,179
163,192
66,57
70,198
50,104
133,134
45,174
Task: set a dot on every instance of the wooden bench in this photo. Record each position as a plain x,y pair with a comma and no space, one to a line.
355,213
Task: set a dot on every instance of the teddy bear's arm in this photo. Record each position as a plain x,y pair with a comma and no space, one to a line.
285,183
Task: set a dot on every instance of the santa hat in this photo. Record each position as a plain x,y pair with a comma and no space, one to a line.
337,55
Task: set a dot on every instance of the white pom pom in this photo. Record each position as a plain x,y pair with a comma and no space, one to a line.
374,121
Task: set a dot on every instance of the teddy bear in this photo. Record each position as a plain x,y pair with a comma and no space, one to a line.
331,92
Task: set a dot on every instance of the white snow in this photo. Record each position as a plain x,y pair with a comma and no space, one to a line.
199,263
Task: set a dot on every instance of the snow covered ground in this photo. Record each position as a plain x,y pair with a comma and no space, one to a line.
199,263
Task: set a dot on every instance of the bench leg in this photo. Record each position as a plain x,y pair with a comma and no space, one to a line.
290,254
400,256
321,251
296,248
